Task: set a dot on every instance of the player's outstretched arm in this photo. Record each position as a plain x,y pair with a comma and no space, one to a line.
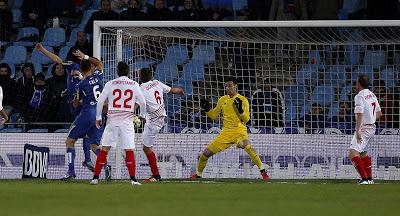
206,107
49,54
177,90
96,62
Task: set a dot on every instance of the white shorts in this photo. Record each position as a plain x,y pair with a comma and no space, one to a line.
367,132
125,135
150,132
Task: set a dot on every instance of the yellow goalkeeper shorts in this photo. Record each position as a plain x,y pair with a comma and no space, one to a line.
227,138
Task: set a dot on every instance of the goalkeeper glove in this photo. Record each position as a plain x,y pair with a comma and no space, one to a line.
205,105
238,104
136,121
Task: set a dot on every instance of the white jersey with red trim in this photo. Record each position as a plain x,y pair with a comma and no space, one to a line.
122,93
367,104
153,92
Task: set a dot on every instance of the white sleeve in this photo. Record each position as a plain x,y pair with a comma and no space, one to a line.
165,88
1,99
359,104
141,101
100,102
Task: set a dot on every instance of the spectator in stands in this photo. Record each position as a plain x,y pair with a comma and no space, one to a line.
6,21
288,10
385,99
324,10
57,86
34,13
81,44
267,106
117,5
189,12
133,12
8,85
159,12
105,13
343,120
24,88
315,119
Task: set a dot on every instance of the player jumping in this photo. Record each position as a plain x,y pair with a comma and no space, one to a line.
122,94
235,109
367,111
74,76
153,91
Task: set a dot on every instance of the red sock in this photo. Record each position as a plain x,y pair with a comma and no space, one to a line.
101,160
368,165
130,163
153,163
359,165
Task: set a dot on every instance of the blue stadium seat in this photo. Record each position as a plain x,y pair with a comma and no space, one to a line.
96,4
38,59
143,63
54,37
344,92
314,58
17,4
15,55
375,58
17,16
61,130
333,110
177,54
291,113
352,54
295,95
238,5
307,72
193,71
166,72
73,36
64,52
336,75
128,52
323,95
23,33
204,54
390,76
305,109
363,69
86,16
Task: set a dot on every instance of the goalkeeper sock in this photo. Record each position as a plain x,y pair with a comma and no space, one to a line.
201,165
86,150
71,161
368,166
359,165
254,156
130,163
101,160
153,163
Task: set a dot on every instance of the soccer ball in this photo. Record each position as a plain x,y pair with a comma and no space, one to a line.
136,121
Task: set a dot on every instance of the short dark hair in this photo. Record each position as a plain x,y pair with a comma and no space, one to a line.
231,79
122,69
85,65
363,79
146,75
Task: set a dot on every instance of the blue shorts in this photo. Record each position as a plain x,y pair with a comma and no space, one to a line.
84,126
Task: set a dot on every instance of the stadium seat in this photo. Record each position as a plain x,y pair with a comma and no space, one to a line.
219,32
73,36
352,54
17,17
38,130
333,110
193,71
166,72
54,37
24,33
203,54
17,4
336,75
143,63
15,55
291,112
323,95
63,53
177,54
307,72
345,92
306,108
314,58
295,95
363,69
86,16
128,51
38,59
390,76
375,58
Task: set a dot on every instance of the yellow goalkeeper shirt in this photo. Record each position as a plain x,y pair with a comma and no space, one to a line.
231,117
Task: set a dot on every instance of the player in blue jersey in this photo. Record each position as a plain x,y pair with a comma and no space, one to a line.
74,76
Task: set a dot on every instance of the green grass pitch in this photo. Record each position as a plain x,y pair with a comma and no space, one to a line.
207,197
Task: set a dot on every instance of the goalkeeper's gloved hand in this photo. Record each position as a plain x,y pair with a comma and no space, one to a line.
137,121
205,105
238,104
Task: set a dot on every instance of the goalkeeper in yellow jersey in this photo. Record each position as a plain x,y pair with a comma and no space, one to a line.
235,109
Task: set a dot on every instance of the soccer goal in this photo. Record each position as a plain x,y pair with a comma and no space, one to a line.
298,77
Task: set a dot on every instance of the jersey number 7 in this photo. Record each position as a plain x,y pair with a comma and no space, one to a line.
117,93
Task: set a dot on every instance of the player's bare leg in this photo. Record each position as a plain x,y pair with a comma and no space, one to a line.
368,166
100,161
255,158
131,165
151,156
202,163
359,165
70,144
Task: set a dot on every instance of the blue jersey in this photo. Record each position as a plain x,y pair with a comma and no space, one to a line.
89,90
72,82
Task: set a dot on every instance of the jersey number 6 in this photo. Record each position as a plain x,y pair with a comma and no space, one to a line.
117,93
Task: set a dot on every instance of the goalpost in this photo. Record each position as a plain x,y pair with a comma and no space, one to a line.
297,76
